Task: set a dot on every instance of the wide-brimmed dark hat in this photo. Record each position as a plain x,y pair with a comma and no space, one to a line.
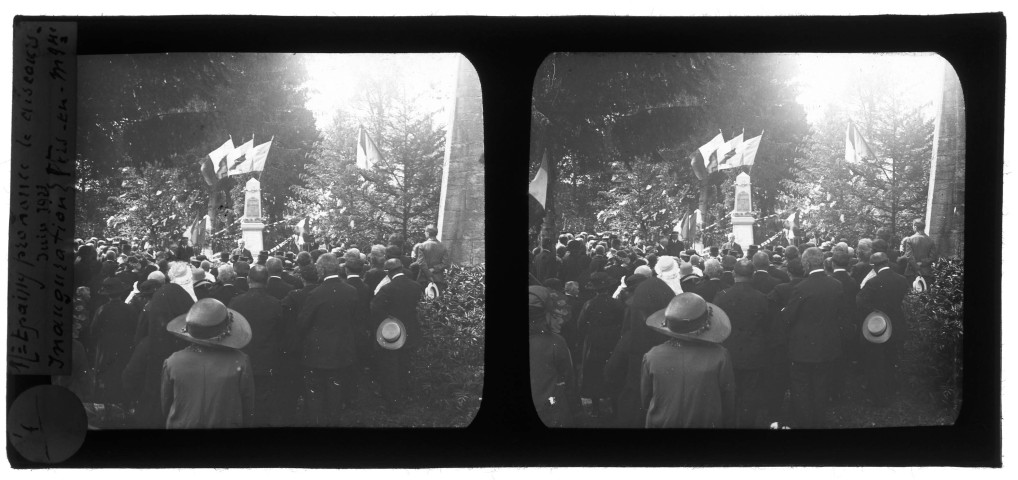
601,281
113,286
209,322
391,334
150,286
877,327
689,317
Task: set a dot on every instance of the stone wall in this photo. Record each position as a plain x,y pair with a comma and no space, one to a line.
945,205
461,211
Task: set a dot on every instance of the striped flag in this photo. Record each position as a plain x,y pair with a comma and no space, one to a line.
728,153
539,186
856,147
218,154
368,153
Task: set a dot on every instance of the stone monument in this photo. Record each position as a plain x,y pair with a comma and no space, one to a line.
742,216
945,205
251,224
461,207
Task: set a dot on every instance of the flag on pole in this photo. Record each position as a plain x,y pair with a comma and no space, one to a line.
216,155
793,223
299,232
856,147
728,152
681,228
704,156
258,154
237,158
748,150
539,186
208,172
368,153
212,168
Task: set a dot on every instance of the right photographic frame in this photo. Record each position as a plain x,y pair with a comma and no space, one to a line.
747,240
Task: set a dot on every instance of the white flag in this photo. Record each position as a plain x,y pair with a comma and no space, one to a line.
747,154
233,159
539,186
218,154
709,148
368,153
258,154
728,152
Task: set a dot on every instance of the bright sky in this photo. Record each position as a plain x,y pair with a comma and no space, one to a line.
334,77
825,77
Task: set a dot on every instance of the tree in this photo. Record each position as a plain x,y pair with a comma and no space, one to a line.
399,195
598,113
171,110
852,200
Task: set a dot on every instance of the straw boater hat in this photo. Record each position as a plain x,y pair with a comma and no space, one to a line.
210,323
689,317
877,327
391,334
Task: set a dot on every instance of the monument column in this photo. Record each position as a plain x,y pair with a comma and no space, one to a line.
461,208
742,216
945,204
251,224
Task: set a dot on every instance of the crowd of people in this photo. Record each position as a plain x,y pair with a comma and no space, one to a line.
629,335
166,337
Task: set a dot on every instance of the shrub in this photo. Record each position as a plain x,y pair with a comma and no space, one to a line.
933,354
448,367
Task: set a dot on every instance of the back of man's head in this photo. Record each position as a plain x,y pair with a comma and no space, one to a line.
761,260
812,259
795,268
841,259
712,269
393,251
354,266
728,262
393,266
274,266
258,276
744,268
879,260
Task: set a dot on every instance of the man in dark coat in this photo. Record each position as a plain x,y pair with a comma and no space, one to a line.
276,287
184,252
601,326
623,370
110,336
883,292
863,250
225,290
365,335
241,253
776,380
264,314
325,333
399,299
850,321
762,279
575,263
747,310
728,267
813,316
712,283
242,268
920,251
143,375
775,269
546,263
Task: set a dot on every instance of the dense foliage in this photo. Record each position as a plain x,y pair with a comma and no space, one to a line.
933,355
159,115
401,195
448,367
621,128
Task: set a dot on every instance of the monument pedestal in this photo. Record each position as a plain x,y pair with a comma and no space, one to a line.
251,232
742,227
743,218
251,224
